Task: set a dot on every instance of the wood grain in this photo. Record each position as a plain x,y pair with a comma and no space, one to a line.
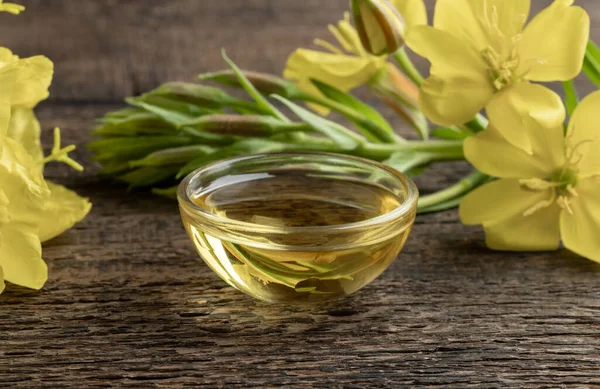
129,305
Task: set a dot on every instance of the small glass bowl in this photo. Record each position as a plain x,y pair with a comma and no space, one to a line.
297,228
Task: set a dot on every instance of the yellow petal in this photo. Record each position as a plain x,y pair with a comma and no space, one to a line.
502,19
8,78
529,116
457,17
459,85
341,71
483,24
21,256
22,183
537,232
584,134
61,212
580,230
12,8
497,201
554,43
491,154
24,128
413,11
35,77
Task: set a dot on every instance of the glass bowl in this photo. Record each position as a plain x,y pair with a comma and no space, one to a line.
297,228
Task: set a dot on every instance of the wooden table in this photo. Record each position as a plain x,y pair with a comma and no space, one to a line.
128,304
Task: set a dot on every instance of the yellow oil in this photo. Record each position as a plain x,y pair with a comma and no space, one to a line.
290,270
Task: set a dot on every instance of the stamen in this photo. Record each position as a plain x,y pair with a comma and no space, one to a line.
539,206
328,46
537,185
572,191
565,203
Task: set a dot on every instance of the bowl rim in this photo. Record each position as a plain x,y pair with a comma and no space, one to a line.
407,207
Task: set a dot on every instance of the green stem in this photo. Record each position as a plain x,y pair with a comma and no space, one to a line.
464,186
383,151
352,115
408,66
478,124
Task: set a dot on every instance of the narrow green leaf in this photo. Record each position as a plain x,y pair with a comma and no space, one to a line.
591,63
148,176
266,84
173,156
134,147
404,161
252,91
170,193
174,112
571,97
344,138
373,125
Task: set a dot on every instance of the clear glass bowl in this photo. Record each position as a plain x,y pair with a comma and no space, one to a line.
298,228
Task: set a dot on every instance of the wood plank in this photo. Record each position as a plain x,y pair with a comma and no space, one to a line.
129,304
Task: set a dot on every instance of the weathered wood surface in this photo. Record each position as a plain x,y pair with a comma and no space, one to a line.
129,305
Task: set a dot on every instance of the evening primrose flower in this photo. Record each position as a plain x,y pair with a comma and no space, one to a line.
480,50
348,66
541,198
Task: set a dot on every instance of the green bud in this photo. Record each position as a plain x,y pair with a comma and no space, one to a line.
380,26
245,125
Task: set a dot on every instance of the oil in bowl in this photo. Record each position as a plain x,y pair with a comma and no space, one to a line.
298,228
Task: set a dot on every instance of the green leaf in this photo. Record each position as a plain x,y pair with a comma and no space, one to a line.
405,161
245,146
344,138
252,91
170,193
173,156
451,133
148,176
267,84
571,97
135,147
591,63
373,125
174,112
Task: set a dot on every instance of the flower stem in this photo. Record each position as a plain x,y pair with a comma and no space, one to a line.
464,186
408,66
383,151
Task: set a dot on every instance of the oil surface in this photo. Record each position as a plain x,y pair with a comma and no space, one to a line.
294,271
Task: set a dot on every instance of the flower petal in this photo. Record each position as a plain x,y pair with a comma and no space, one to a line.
35,77
584,134
537,232
21,256
580,230
554,43
457,17
341,71
8,78
61,212
413,12
459,86
491,154
499,200
24,128
506,16
530,117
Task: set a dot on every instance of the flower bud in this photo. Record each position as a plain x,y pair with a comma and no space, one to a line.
379,25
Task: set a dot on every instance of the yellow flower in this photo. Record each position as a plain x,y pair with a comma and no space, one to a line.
14,9
23,196
350,65
480,50
548,195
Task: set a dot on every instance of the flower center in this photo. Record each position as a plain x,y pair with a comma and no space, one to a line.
501,71
561,185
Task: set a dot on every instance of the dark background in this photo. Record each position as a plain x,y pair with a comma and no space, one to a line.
128,304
